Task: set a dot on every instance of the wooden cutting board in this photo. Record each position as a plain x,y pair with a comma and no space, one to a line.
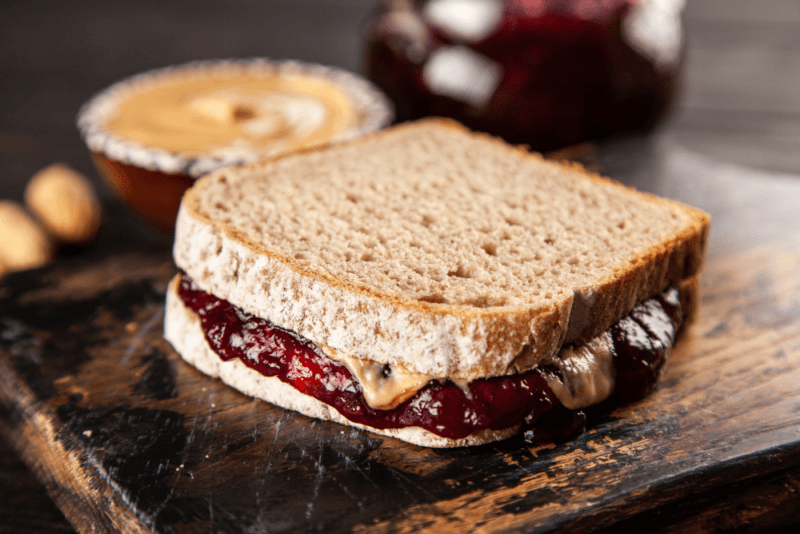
129,438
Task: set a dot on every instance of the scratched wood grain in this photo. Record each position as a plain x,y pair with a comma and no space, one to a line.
131,439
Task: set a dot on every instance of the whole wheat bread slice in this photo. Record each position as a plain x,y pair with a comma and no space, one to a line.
432,247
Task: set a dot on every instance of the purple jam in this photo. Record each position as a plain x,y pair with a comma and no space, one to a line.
642,341
441,407
552,73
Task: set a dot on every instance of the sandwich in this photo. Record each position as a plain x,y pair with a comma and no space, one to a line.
430,283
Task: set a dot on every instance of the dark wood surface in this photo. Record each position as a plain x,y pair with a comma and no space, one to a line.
714,449
129,438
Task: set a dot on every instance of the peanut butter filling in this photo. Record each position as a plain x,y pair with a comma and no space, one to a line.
240,114
587,376
384,386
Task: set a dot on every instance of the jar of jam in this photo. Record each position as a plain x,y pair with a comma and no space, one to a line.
546,73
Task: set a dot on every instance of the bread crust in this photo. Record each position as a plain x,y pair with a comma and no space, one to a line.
445,341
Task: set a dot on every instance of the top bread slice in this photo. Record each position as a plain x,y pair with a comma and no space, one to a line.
429,246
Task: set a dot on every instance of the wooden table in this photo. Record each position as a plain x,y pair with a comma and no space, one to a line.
725,419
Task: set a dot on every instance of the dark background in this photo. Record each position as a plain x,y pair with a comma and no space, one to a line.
741,103
56,55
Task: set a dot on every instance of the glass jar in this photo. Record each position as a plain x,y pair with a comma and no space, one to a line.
546,73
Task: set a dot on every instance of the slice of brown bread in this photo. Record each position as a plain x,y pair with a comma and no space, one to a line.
432,247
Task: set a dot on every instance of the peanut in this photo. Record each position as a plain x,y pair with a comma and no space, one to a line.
65,202
23,243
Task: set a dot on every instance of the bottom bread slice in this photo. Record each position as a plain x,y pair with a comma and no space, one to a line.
183,330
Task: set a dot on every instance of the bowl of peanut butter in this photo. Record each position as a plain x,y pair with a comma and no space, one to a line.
152,135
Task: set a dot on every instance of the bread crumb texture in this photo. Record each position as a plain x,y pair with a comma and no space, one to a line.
431,219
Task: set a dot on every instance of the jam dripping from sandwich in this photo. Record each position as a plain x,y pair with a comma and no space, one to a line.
640,345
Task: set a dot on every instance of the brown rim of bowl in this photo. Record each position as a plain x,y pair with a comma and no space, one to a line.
374,108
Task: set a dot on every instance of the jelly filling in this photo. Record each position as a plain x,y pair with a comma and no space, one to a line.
441,407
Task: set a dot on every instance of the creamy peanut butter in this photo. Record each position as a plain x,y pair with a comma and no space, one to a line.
235,114
384,387
195,118
587,376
